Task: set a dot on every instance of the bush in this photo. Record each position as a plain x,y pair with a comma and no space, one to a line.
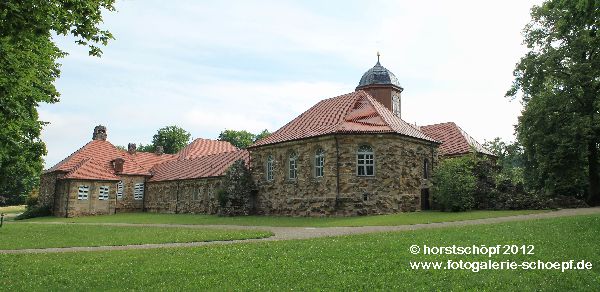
455,184
237,195
35,211
33,208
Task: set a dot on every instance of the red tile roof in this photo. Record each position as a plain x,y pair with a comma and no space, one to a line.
199,167
102,152
203,147
355,112
455,141
147,160
90,169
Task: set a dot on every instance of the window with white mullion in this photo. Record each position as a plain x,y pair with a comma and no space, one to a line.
103,193
83,192
319,163
293,166
365,161
270,168
138,191
120,190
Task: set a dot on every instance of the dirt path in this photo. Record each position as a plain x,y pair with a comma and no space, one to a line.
291,233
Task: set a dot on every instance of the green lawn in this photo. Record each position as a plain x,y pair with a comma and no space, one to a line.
361,262
12,209
380,220
21,235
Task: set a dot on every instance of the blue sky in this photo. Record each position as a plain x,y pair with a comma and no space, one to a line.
213,65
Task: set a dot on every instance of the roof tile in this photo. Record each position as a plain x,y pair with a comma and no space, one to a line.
455,141
199,167
355,112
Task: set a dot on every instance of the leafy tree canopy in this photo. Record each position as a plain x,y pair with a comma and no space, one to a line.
28,69
172,138
558,82
242,139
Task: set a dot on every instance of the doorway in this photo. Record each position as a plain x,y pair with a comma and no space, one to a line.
425,199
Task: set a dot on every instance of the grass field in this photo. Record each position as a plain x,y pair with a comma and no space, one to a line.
380,220
361,262
12,209
22,236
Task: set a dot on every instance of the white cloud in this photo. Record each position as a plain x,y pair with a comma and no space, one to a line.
207,66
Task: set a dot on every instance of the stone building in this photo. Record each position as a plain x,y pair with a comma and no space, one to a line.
347,155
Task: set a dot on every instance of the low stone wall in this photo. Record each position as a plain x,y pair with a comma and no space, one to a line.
396,186
183,196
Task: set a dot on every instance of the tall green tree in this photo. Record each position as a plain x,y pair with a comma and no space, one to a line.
28,68
172,138
242,139
559,82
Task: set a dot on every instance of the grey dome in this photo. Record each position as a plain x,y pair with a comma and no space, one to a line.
379,75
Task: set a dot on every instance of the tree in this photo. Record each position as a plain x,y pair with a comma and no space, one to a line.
172,138
264,134
455,184
559,79
236,197
242,139
28,68
509,158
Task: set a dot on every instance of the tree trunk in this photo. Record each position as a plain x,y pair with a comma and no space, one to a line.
594,179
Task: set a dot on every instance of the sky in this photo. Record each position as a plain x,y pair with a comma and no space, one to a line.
208,66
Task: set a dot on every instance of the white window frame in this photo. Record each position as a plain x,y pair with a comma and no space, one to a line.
365,161
396,105
319,162
269,171
293,166
120,188
103,193
138,191
83,192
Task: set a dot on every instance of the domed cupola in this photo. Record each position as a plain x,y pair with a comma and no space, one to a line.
383,85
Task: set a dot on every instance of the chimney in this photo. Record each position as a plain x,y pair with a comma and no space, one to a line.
159,150
99,133
131,148
118,165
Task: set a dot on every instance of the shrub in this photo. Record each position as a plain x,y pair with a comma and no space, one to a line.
455,184
35,211
237,195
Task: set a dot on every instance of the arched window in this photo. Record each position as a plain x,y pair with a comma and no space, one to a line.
396,105
270,168
426,168
319,162
292,166
365,159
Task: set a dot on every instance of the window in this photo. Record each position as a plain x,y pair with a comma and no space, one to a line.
197,193
270,168
396,105
293,166
365,161
82,193
120,190
103,193
319,162
425,168
138,191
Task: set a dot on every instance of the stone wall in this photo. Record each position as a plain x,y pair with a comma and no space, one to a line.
68,205
183,196
48,183
128,202
396,186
